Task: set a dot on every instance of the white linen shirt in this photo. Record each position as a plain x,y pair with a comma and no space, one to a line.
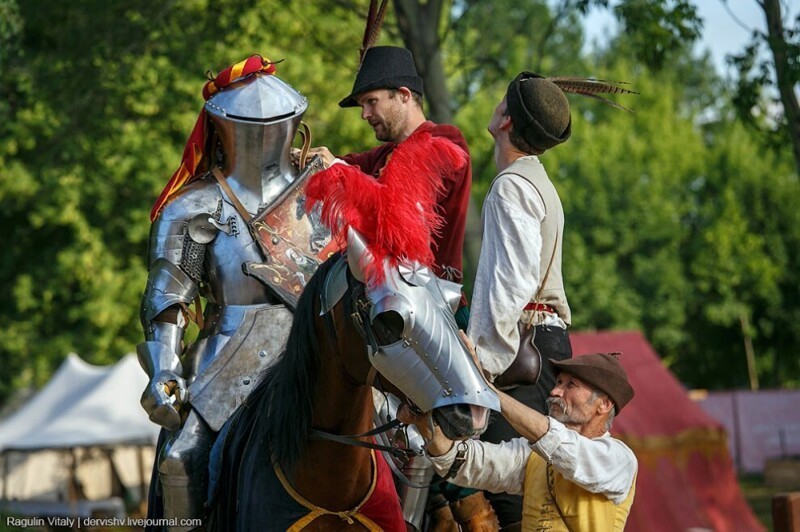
602,465
508,271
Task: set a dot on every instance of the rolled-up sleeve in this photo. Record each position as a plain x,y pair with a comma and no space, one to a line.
489,466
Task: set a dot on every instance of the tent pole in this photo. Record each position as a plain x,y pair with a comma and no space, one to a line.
143,499
737,432
6,464
73,484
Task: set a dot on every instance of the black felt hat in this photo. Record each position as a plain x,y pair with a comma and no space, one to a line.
539,111
601,371
384,67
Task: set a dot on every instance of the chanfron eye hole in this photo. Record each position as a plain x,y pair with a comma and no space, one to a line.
388,327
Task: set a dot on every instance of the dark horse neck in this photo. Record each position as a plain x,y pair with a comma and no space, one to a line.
342,405
350,465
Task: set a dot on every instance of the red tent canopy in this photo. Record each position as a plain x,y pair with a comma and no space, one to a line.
686,477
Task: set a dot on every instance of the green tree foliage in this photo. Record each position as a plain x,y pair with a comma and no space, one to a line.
624,183
682,230
766,97
95,119
742,255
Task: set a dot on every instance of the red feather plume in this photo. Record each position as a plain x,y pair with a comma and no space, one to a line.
395,213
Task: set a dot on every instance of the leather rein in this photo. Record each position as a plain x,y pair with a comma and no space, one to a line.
353,439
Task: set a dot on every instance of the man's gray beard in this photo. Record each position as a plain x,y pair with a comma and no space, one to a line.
563,415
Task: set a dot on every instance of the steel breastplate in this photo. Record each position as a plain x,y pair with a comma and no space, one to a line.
231,362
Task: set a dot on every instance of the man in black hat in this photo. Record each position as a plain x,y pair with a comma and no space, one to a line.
571,473
389,92
519,313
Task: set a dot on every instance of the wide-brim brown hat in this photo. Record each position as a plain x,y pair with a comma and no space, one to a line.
539,111
384,67
602,371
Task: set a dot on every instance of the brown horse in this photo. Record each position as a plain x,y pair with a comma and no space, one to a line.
318,385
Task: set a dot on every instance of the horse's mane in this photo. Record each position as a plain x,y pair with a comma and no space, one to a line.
283,400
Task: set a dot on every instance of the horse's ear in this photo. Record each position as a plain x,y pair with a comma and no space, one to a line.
357,254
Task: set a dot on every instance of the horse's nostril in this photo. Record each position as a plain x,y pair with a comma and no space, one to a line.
480,417
458,422
388,327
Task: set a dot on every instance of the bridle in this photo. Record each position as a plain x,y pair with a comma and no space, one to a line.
358,307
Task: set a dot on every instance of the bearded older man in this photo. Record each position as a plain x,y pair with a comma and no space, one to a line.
572,474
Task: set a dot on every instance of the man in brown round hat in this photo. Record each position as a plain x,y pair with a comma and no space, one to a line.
389,92
520,314
572,474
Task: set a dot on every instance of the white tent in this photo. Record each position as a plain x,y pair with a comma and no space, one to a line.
84,426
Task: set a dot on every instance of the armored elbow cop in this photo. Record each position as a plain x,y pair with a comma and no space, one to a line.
177,252
167,285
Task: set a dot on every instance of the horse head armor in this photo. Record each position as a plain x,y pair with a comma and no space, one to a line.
423,355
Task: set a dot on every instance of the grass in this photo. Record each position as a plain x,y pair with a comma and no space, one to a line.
759,496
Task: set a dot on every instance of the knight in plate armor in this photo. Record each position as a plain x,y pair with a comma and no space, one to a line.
236,165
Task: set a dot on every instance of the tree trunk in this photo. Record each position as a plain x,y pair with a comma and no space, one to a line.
780,53
419,22
419,25
749,353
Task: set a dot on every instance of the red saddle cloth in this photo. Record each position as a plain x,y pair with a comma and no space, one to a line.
379,511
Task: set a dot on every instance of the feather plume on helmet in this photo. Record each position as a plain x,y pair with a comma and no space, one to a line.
539,109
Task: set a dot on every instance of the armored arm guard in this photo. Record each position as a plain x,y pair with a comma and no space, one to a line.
177,250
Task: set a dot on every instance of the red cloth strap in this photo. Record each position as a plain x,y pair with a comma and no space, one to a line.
254,63
540,307
194,152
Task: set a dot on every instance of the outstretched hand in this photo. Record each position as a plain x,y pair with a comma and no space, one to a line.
436,442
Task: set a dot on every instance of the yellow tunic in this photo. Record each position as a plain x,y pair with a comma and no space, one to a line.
583,510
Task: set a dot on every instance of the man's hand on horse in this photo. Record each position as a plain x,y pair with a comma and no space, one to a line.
437,442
